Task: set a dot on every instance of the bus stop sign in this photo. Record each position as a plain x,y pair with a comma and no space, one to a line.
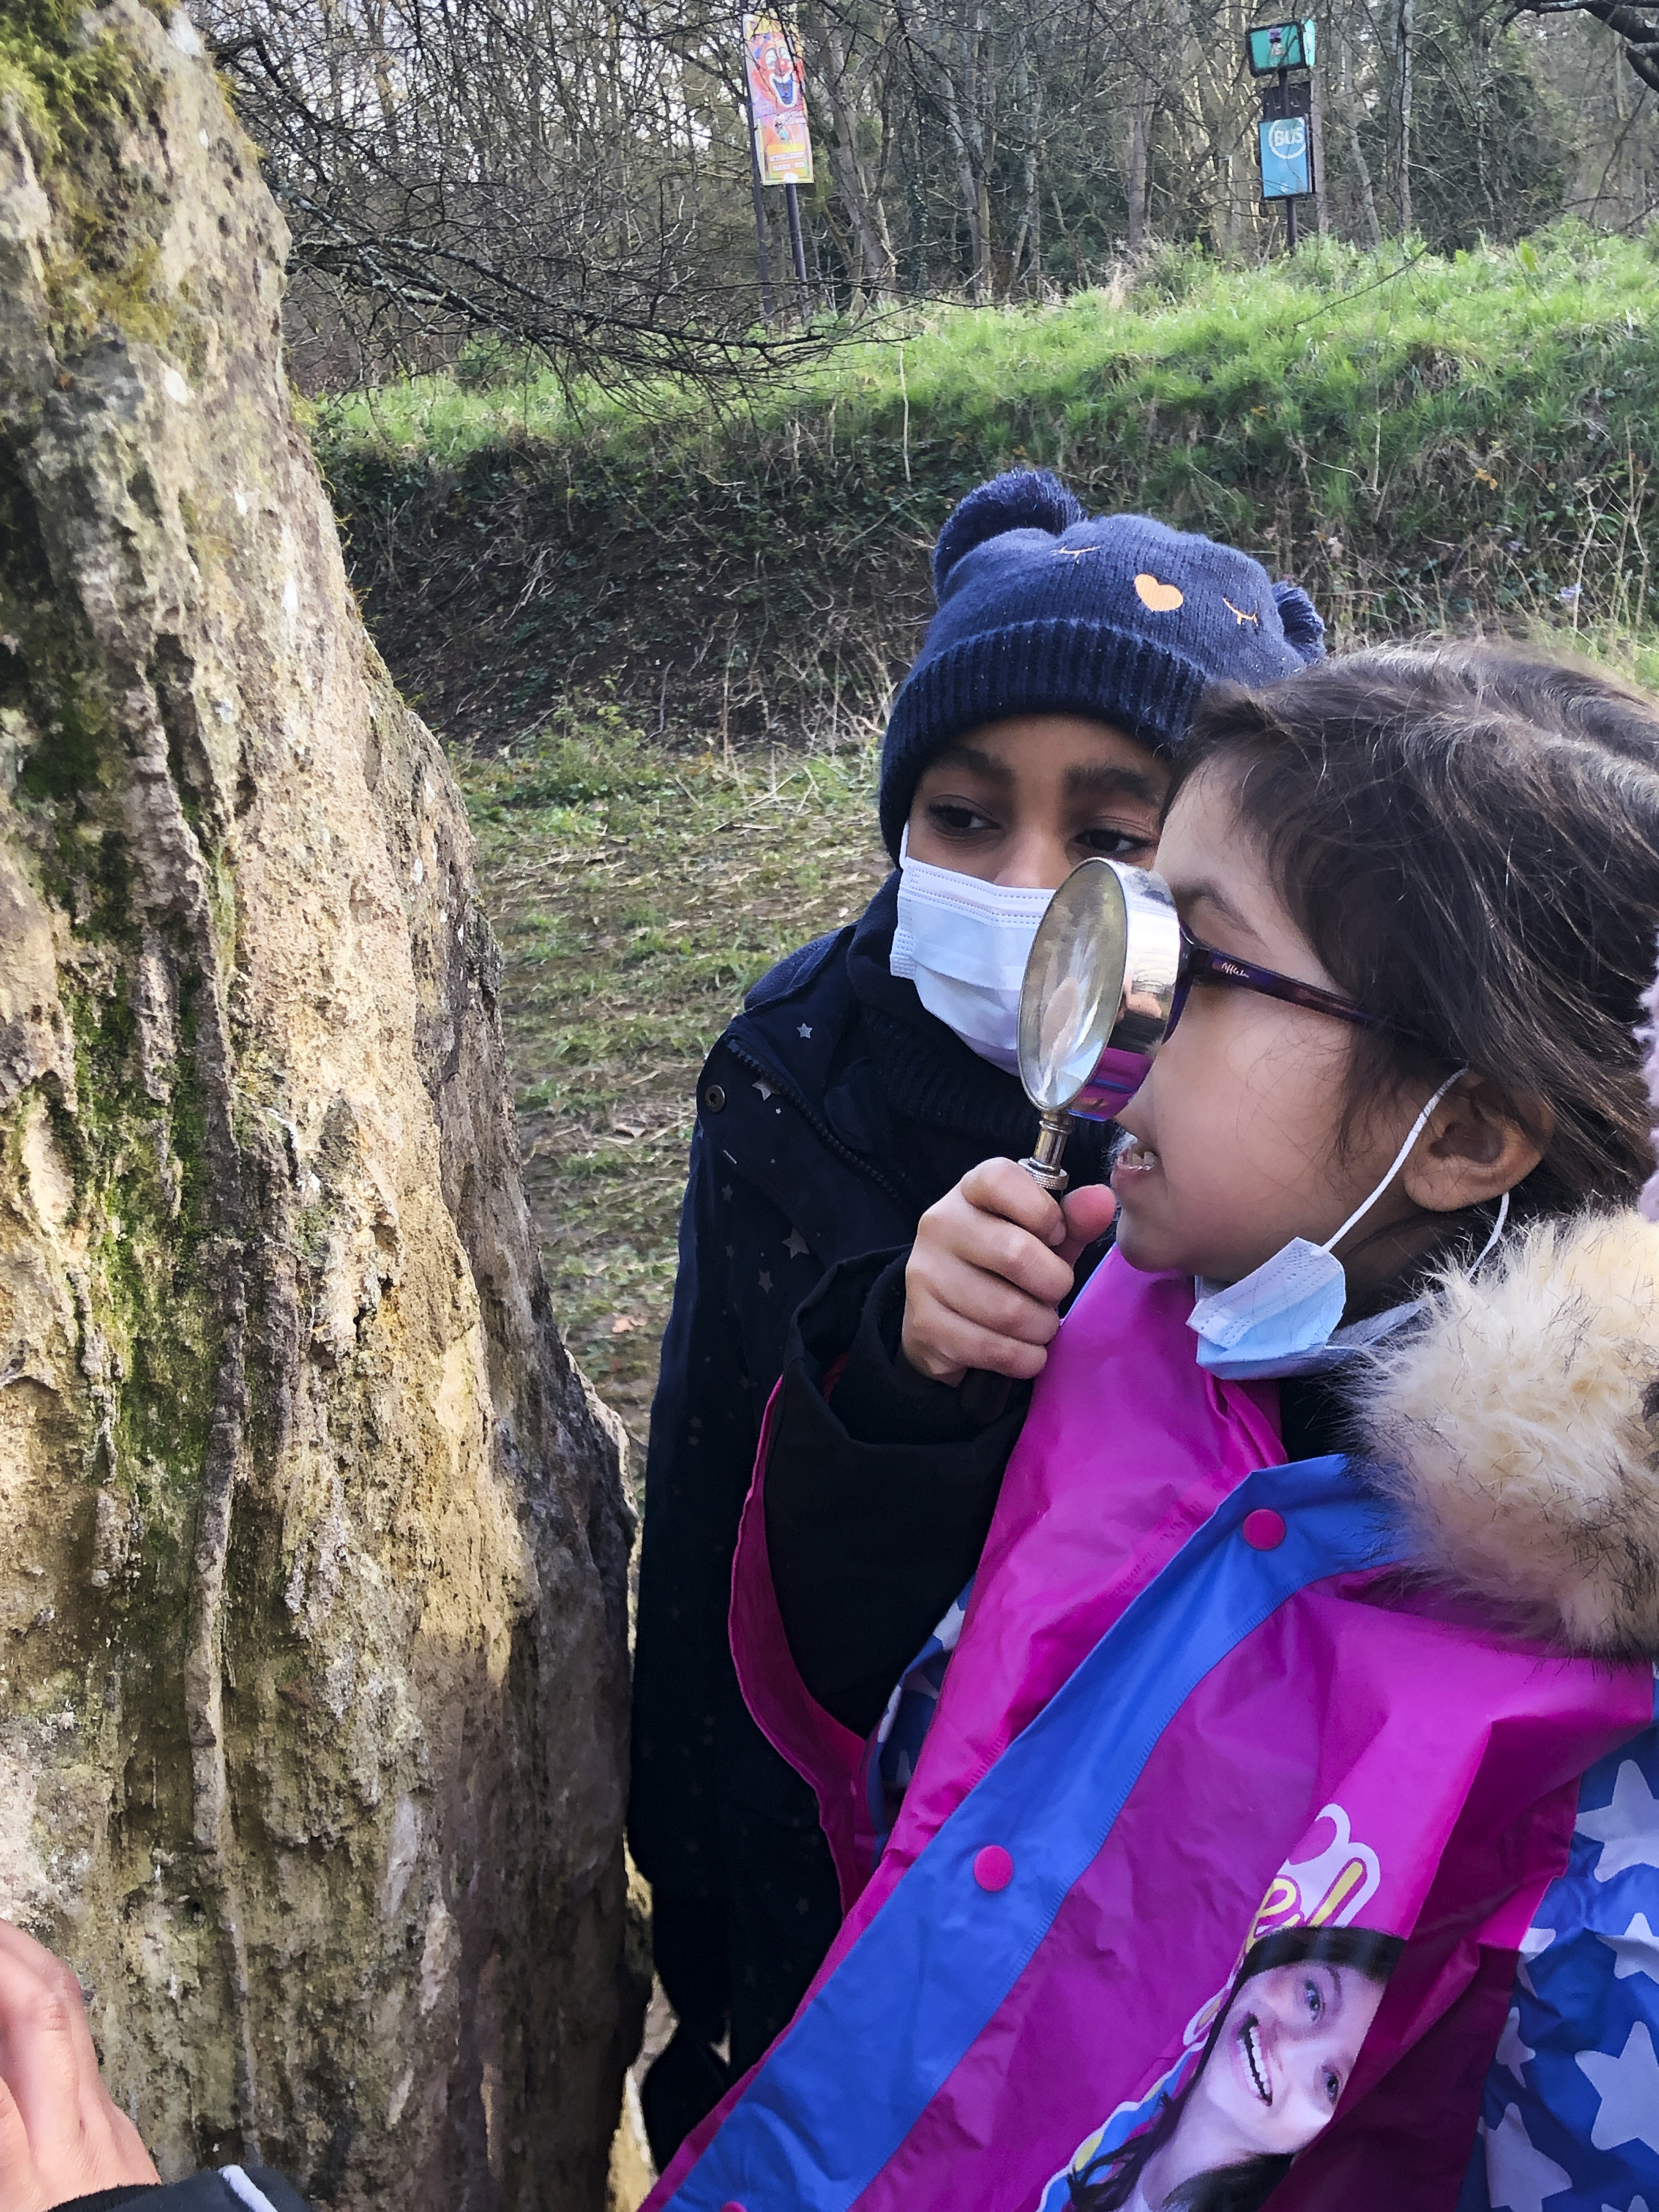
1286,159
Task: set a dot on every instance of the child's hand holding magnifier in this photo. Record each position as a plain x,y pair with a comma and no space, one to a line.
990,1268
993,1260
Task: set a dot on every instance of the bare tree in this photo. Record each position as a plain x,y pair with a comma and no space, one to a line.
573,176
1637,26
525,167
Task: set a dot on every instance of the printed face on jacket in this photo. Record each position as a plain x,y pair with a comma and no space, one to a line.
1268,2079
1288,2045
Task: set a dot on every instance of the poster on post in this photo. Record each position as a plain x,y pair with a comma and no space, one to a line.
1287,158
777,100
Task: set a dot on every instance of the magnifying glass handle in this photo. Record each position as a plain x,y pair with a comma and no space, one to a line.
982,1394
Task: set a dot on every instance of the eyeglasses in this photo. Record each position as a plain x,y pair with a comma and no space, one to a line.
1201,963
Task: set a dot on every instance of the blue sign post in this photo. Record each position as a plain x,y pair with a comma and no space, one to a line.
1286,159
1286,140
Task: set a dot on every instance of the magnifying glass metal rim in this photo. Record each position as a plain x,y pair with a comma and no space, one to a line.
1097,883
1131,1008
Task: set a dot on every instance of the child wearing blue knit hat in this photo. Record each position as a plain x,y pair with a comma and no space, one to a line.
867,1073
1044,609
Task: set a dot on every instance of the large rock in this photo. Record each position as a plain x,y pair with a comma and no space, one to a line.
313,1541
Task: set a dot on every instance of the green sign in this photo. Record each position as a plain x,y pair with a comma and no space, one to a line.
1281,45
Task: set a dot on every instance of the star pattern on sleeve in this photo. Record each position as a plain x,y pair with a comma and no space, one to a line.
794,1243
1628,2087
1520,2176
1627,1829
1570,2116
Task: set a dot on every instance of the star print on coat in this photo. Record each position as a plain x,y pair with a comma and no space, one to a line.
1535,1940
1522,2180
804,1029
1627,1829
1628,2087
1511,2051
795,1244
1570,2114
1635,1952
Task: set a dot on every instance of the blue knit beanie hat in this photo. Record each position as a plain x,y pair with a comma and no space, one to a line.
1043,610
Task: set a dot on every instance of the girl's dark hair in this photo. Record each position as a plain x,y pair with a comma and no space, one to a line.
1469,838
1109,2180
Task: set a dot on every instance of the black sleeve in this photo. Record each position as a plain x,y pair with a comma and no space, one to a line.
878,1496
704,1428
232,2189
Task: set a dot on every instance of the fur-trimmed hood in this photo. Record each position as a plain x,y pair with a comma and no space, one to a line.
1517,1430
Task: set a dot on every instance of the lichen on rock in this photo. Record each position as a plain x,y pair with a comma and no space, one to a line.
312,1607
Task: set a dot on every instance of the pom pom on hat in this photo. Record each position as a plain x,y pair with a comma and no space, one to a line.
1022,499
1304,626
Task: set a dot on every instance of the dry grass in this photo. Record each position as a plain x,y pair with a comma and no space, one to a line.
637,893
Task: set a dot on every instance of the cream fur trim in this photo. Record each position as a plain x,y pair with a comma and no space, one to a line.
1518,1430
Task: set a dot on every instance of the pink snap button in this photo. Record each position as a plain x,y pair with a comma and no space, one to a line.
1264,1530
733,2206
992,1868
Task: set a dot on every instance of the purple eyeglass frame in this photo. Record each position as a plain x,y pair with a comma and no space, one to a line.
1202,963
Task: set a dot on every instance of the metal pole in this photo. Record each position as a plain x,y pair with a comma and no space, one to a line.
1289,204
760,203
797,248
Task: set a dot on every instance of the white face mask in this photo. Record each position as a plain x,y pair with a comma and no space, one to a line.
964,944
1281,1319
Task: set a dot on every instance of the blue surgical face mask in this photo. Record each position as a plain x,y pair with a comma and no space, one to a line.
964,944
1281,1319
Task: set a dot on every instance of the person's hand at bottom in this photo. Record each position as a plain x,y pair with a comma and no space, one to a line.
61,2136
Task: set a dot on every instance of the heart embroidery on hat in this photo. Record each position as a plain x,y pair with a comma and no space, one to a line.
1161,598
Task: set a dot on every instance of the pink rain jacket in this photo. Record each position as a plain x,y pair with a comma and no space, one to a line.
1199,1695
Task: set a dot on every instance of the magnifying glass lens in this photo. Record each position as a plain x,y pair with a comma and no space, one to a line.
1073,983
1098,989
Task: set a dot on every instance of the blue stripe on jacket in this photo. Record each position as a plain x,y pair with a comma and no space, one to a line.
816,2125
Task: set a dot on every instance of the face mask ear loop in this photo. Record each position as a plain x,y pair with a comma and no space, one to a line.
1400,1160
904,844
1492,1243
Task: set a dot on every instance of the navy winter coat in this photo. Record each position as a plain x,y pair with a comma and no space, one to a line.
832,1112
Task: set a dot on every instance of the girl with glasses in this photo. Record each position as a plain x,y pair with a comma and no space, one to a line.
862,1079
1321,1583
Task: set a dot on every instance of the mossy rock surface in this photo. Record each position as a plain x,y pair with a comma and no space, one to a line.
313,1696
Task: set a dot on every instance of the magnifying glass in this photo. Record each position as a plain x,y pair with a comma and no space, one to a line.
1095,1002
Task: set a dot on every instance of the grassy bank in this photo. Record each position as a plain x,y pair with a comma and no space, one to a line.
1423,442
636,897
